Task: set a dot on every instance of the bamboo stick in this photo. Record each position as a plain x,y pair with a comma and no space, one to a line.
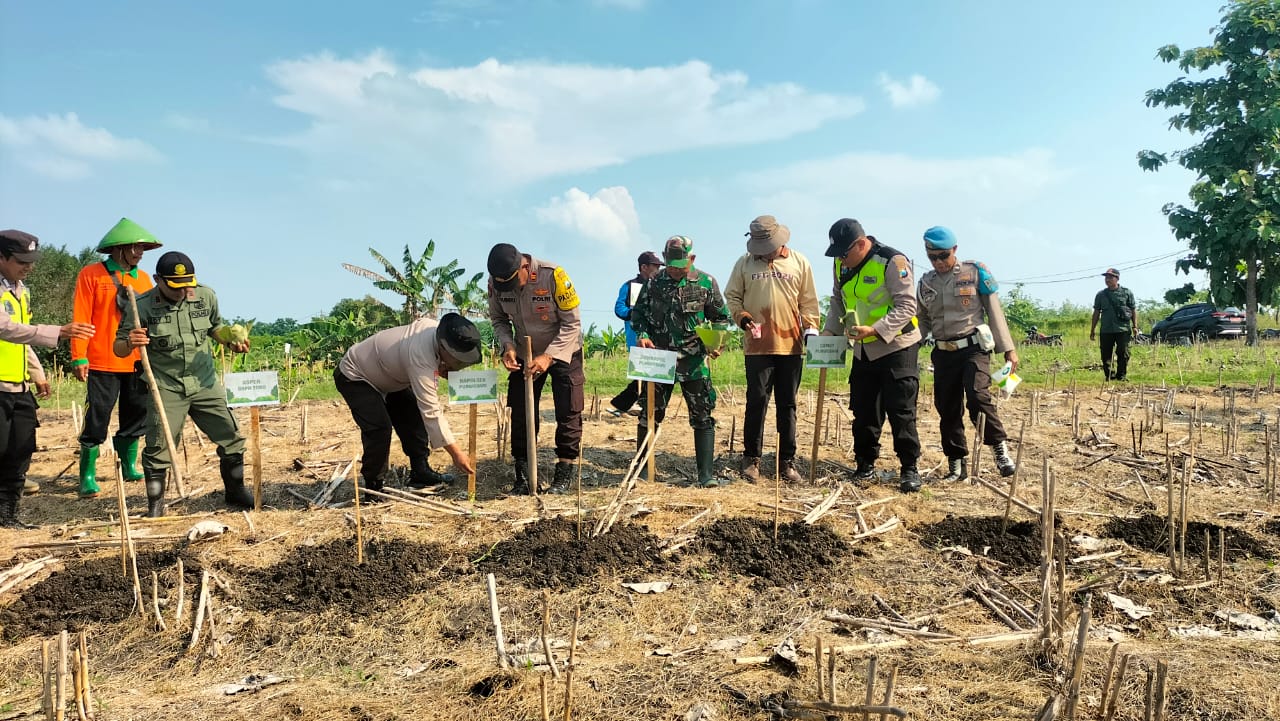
199,620
569,670
1013,482
60,688
155,601
545,633
530,419
182,592
496,614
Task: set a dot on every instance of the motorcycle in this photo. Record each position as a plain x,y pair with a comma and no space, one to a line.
1035,337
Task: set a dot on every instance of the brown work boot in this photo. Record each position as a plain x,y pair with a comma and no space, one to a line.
751,469
789,472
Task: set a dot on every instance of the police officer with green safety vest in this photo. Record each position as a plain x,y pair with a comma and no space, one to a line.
956,298
20,370
874,306
178,323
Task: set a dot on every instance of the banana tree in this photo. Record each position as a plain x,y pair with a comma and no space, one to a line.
425,289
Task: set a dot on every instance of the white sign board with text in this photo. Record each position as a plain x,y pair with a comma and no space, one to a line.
469,387
260,388
825,351
651,364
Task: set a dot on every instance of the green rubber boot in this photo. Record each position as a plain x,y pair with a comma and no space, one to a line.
89,472
127,449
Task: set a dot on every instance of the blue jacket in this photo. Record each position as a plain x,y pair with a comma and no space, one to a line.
622,308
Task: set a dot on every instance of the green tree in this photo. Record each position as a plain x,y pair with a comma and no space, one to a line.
1234,107
1180,296
425,288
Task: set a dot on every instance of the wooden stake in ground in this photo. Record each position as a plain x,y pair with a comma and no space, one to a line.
496,614
579,495
471,451
123,508
777,487
302,434
652,459
1013,482
86,690
568,669
46,676
60,695
255,441
530,419
355,487
817,424
545,633
158,401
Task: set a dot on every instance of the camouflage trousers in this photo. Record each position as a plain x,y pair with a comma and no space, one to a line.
208,410
699,396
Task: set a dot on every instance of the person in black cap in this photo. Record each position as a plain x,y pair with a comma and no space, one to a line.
650,264
20,369
1118,311
533,297
389,382
178,321
874,306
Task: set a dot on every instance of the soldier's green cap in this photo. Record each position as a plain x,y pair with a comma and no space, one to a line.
127,232
677,251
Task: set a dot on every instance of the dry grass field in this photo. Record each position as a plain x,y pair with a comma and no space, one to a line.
932,590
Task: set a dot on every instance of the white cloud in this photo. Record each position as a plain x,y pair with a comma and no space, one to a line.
63,148
516,122
608,216
917,91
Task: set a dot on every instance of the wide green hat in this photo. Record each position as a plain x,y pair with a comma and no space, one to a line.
127,232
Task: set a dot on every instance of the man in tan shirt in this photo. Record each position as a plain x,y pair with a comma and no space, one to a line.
772,296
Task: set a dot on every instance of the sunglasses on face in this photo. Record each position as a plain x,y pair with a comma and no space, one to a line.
940,255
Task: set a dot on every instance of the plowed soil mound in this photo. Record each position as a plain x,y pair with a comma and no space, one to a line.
1151,532
548,554
1018,549
316,578
746,546
88,592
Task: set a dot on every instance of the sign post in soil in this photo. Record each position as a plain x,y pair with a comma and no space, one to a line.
822,352
652,366
473,388
261,388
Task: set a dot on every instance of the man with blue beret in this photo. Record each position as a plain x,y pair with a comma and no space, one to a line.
959,304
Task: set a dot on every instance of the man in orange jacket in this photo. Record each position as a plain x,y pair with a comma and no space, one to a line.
101,299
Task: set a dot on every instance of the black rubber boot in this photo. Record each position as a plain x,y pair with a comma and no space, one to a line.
957,469
232,468
421,475
521,485
704,450
9,512
155,491
563,478
865,471
909,479
1003,462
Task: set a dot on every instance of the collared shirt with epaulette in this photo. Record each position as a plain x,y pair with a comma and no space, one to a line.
669,311
952,305
545,309
181,347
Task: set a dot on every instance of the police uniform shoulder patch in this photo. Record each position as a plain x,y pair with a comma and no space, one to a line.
566,294
986,281
903,268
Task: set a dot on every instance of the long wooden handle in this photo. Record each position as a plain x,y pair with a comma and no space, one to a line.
530,424
159,402
817,425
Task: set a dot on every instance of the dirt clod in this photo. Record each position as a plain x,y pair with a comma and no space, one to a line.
1018,549
746,546
315,578
548,554
1151,533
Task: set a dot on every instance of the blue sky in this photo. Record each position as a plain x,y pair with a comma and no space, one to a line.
274,141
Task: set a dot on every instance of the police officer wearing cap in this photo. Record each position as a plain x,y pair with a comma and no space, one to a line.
874,306
533,297
178,322
20,369
389,382
954,299
650,265
1116,308
102,299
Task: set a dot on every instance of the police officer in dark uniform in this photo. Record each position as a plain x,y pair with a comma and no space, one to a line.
179,322
534,297
955,298
874,305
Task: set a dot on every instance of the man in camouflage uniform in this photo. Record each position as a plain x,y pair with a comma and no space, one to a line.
178,323
953,300
666,316
533,297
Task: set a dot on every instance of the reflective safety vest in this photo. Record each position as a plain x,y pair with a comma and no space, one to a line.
866,300
13,356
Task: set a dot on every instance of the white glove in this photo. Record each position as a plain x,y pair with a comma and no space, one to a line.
810,332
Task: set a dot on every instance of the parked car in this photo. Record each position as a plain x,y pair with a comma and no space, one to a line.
1200,321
